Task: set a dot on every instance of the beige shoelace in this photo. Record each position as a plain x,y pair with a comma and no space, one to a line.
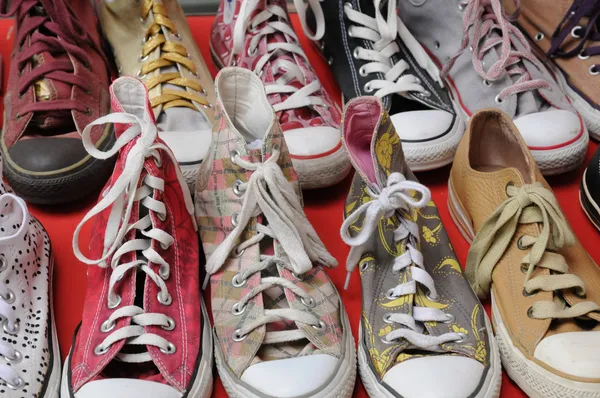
529,204
172,54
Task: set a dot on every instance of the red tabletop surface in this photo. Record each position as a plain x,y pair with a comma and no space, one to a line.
324,208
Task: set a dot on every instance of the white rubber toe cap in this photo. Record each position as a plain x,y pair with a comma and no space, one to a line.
546,129
573,353
188,146
286,378
126,388
312,141
421,125
435,377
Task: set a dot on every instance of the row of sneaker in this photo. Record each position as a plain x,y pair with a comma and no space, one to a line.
62,63
278,325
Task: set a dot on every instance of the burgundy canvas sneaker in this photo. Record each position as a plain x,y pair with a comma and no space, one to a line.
57,85
257,35
145,330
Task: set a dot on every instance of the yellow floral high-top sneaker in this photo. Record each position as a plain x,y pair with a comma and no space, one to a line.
152,41
422,327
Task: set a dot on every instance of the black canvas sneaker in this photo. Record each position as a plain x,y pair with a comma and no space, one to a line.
371,52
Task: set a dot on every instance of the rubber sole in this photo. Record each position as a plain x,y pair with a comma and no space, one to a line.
53,387
589,205
534,380
489,389
66,187
341,386
203,384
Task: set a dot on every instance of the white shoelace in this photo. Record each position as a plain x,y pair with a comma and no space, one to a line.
382,33
122,196
268,192
394,197
298,97
8,316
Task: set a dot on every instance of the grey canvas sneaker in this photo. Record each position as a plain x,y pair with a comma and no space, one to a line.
422,327
489,64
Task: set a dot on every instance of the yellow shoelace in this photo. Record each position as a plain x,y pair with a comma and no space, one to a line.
529,204
172,54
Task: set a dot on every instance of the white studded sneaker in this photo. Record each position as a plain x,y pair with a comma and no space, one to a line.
29,353
488,63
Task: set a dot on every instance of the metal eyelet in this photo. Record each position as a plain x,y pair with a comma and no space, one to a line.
237,252
3,263
362,71
387,318
524,268
310,302
320,326
364,265
463,337
100,350
593,70
349,33
539,36
14,330
9,298
528,294
520,243
140,75
170,324
236,282
583,55
170,349
233,154
322,45
238,309
20,384
487,83
356,53
115,305
252,52
451,318
142,58
434,299
530,312
298,277
16,358
330,61
237,336
88,111
510,184
234,219
164,300
461,6
17,116
164,272
574,30
437,45
237,188
368,88
107,326
390,295
389,342
498,100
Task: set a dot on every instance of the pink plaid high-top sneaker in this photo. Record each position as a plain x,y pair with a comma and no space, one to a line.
280,327
145,330
257,35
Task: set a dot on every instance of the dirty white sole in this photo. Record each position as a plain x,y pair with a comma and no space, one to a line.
489,389
323,171
430,155
202,385
340,386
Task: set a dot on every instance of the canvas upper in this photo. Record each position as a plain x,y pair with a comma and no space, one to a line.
489,63
275,310
545,287
258,35
144,326
57,85
29,353
152,40
371,52
568,33
422,327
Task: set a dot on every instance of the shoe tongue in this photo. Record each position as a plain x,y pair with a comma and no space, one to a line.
386,151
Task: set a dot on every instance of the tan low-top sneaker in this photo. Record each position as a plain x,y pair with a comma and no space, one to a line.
546,318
